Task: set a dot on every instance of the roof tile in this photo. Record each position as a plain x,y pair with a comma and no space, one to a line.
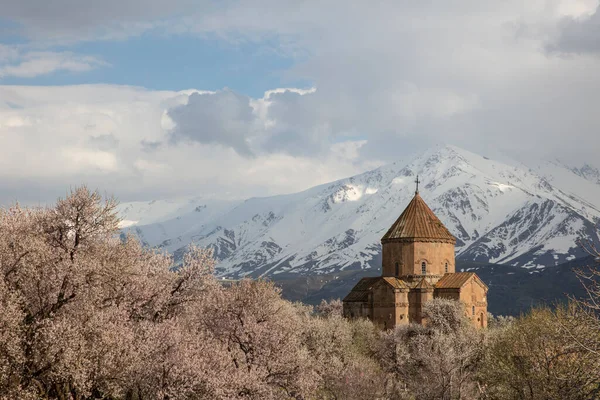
360,291
454,280
395,282
418,222
423,284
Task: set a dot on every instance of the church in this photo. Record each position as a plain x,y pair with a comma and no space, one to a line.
418,265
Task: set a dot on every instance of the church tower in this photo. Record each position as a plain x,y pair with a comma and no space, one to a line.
418,245
418,265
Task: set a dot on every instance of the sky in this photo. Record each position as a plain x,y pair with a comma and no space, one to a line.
149,99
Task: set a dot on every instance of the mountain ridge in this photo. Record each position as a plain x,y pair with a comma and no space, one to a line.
500,213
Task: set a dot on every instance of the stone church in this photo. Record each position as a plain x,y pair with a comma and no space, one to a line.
418,265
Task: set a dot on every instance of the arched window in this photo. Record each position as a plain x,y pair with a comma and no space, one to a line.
397,270
423,268
473,310
446,268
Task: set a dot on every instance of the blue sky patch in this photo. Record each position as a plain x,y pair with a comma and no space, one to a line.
177,62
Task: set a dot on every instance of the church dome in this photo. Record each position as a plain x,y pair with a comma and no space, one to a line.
418,224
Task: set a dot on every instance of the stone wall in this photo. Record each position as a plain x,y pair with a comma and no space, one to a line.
402,307
410,255
474,297
353,310
384,306
416,298
396,252
436,255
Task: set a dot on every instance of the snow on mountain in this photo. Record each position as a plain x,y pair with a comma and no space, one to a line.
588,172
156,222
499,213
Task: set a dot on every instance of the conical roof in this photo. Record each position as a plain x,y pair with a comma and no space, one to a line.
418,223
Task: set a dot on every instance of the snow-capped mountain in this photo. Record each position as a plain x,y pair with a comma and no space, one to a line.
499,213
588,172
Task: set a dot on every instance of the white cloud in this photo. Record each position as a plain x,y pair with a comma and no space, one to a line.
89,160
68,21
8,53
407,75
578,34
17,61
224,118
383,81
101,134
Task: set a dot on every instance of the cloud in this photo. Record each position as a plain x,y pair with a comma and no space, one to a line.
286,121
223,117
115,138
295,124
406,76
68,21
150,146
578,35
8,53
384,81
90,160
20,63
104,142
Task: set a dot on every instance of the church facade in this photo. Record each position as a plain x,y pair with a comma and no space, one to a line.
418,265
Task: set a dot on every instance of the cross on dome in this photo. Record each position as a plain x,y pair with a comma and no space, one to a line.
417,182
